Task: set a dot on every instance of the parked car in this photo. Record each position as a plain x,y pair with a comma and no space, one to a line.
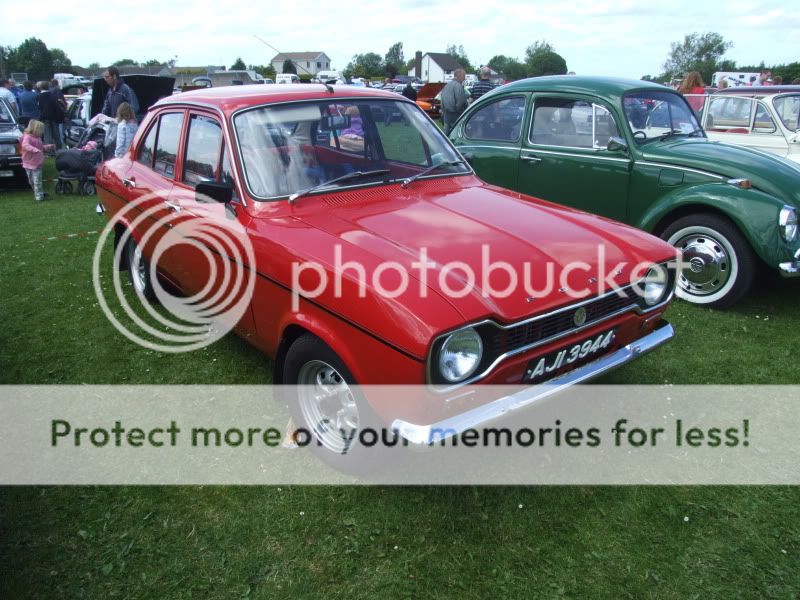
148,89
766,118
11,170
287,166
634,151
429,99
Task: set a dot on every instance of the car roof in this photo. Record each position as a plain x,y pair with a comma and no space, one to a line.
230,98
598,86
761,90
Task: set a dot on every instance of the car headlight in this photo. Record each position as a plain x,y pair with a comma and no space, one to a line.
655,285
787,221
8,149
460,355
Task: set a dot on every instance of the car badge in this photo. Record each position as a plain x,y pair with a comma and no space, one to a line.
579,318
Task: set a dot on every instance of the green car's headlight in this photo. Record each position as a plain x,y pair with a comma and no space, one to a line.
460,355
787,222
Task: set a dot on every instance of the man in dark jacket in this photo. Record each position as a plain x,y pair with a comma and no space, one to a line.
118,93
484,84
52,114
409,92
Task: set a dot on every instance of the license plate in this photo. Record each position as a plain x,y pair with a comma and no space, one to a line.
6,173
547,366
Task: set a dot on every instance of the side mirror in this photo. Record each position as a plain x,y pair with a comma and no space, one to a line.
616,144
213,191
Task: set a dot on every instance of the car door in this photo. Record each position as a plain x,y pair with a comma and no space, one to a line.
149,181
564,156
209,256
490,139
76,121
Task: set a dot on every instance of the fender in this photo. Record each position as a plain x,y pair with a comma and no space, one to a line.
754,213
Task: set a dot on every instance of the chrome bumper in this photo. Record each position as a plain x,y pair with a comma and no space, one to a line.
480,416
791,268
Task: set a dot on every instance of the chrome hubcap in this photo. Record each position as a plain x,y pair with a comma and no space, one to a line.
139,270
706,264
328,405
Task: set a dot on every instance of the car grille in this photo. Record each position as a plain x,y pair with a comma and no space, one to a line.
516,337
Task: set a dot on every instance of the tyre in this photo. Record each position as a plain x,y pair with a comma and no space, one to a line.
59,187
327,410
718,263
139,270
66,188
89,189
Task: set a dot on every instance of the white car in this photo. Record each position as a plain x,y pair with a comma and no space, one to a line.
766,118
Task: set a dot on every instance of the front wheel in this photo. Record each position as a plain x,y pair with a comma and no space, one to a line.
139,270
326,406
718,264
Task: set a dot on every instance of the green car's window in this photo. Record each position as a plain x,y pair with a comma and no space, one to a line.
763,122
498,121
571,124
788,109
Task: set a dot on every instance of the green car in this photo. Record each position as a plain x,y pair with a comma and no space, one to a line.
635,152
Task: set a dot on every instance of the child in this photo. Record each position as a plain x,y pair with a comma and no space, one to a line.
126,128
33,156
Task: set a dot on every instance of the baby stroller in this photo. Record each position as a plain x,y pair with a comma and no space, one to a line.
78,165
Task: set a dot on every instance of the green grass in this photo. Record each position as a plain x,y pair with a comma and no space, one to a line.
263,542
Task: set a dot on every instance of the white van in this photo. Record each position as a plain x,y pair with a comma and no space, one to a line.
287,78
330,76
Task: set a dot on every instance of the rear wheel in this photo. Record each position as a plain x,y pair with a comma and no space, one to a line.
718,263
139,270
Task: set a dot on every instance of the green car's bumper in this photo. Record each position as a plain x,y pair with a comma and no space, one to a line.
791,268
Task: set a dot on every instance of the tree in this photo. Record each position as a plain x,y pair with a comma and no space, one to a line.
267,71
515,70
152,63
394,62
365,65
461,56
32,57
61,61
93,66
697,52
288,67
125,62
499,63
542,59
238,65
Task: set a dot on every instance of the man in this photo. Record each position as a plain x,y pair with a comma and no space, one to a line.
454,100
483,85
28,104
118,93
409,92
5,92
51,112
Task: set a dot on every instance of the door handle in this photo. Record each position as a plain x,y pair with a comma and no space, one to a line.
129,183
172,206
531,159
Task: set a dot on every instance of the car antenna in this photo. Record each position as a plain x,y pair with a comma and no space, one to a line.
327,85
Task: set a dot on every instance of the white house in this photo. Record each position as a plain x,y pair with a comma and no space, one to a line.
309,63
437,67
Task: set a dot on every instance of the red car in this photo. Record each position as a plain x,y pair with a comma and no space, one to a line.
372,254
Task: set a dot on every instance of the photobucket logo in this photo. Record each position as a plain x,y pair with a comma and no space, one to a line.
487,277
207,251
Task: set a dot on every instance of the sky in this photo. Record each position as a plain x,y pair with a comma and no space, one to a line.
628,38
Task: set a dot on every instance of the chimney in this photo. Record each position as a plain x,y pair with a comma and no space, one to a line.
418,65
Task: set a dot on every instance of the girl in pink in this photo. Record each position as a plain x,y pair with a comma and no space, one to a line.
33,156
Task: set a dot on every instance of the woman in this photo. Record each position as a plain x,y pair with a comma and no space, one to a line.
126,128
693,86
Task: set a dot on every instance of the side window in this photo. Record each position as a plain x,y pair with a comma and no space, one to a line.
562,122
604,126
726,113
788,109
202,150
226,173
145,153
763,122
169,134
498,121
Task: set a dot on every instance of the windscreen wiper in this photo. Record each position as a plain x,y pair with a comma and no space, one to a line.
345,177
449,163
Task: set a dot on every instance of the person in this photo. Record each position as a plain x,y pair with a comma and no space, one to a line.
61,106
777,80
454,100
484,84
723,83
409,92
28,104
693,86
126,129
118,92
764,78
49,110
33,156
5,92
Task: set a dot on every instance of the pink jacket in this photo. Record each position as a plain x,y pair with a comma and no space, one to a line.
32,151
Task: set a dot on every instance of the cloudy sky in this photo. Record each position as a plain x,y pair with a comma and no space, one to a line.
598,37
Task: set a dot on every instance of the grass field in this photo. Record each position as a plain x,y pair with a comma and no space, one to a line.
473,542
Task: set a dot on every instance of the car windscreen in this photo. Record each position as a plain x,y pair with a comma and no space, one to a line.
288,148
654,114
6,116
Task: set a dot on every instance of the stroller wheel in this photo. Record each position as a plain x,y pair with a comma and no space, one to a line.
89,189
59,187
66,188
